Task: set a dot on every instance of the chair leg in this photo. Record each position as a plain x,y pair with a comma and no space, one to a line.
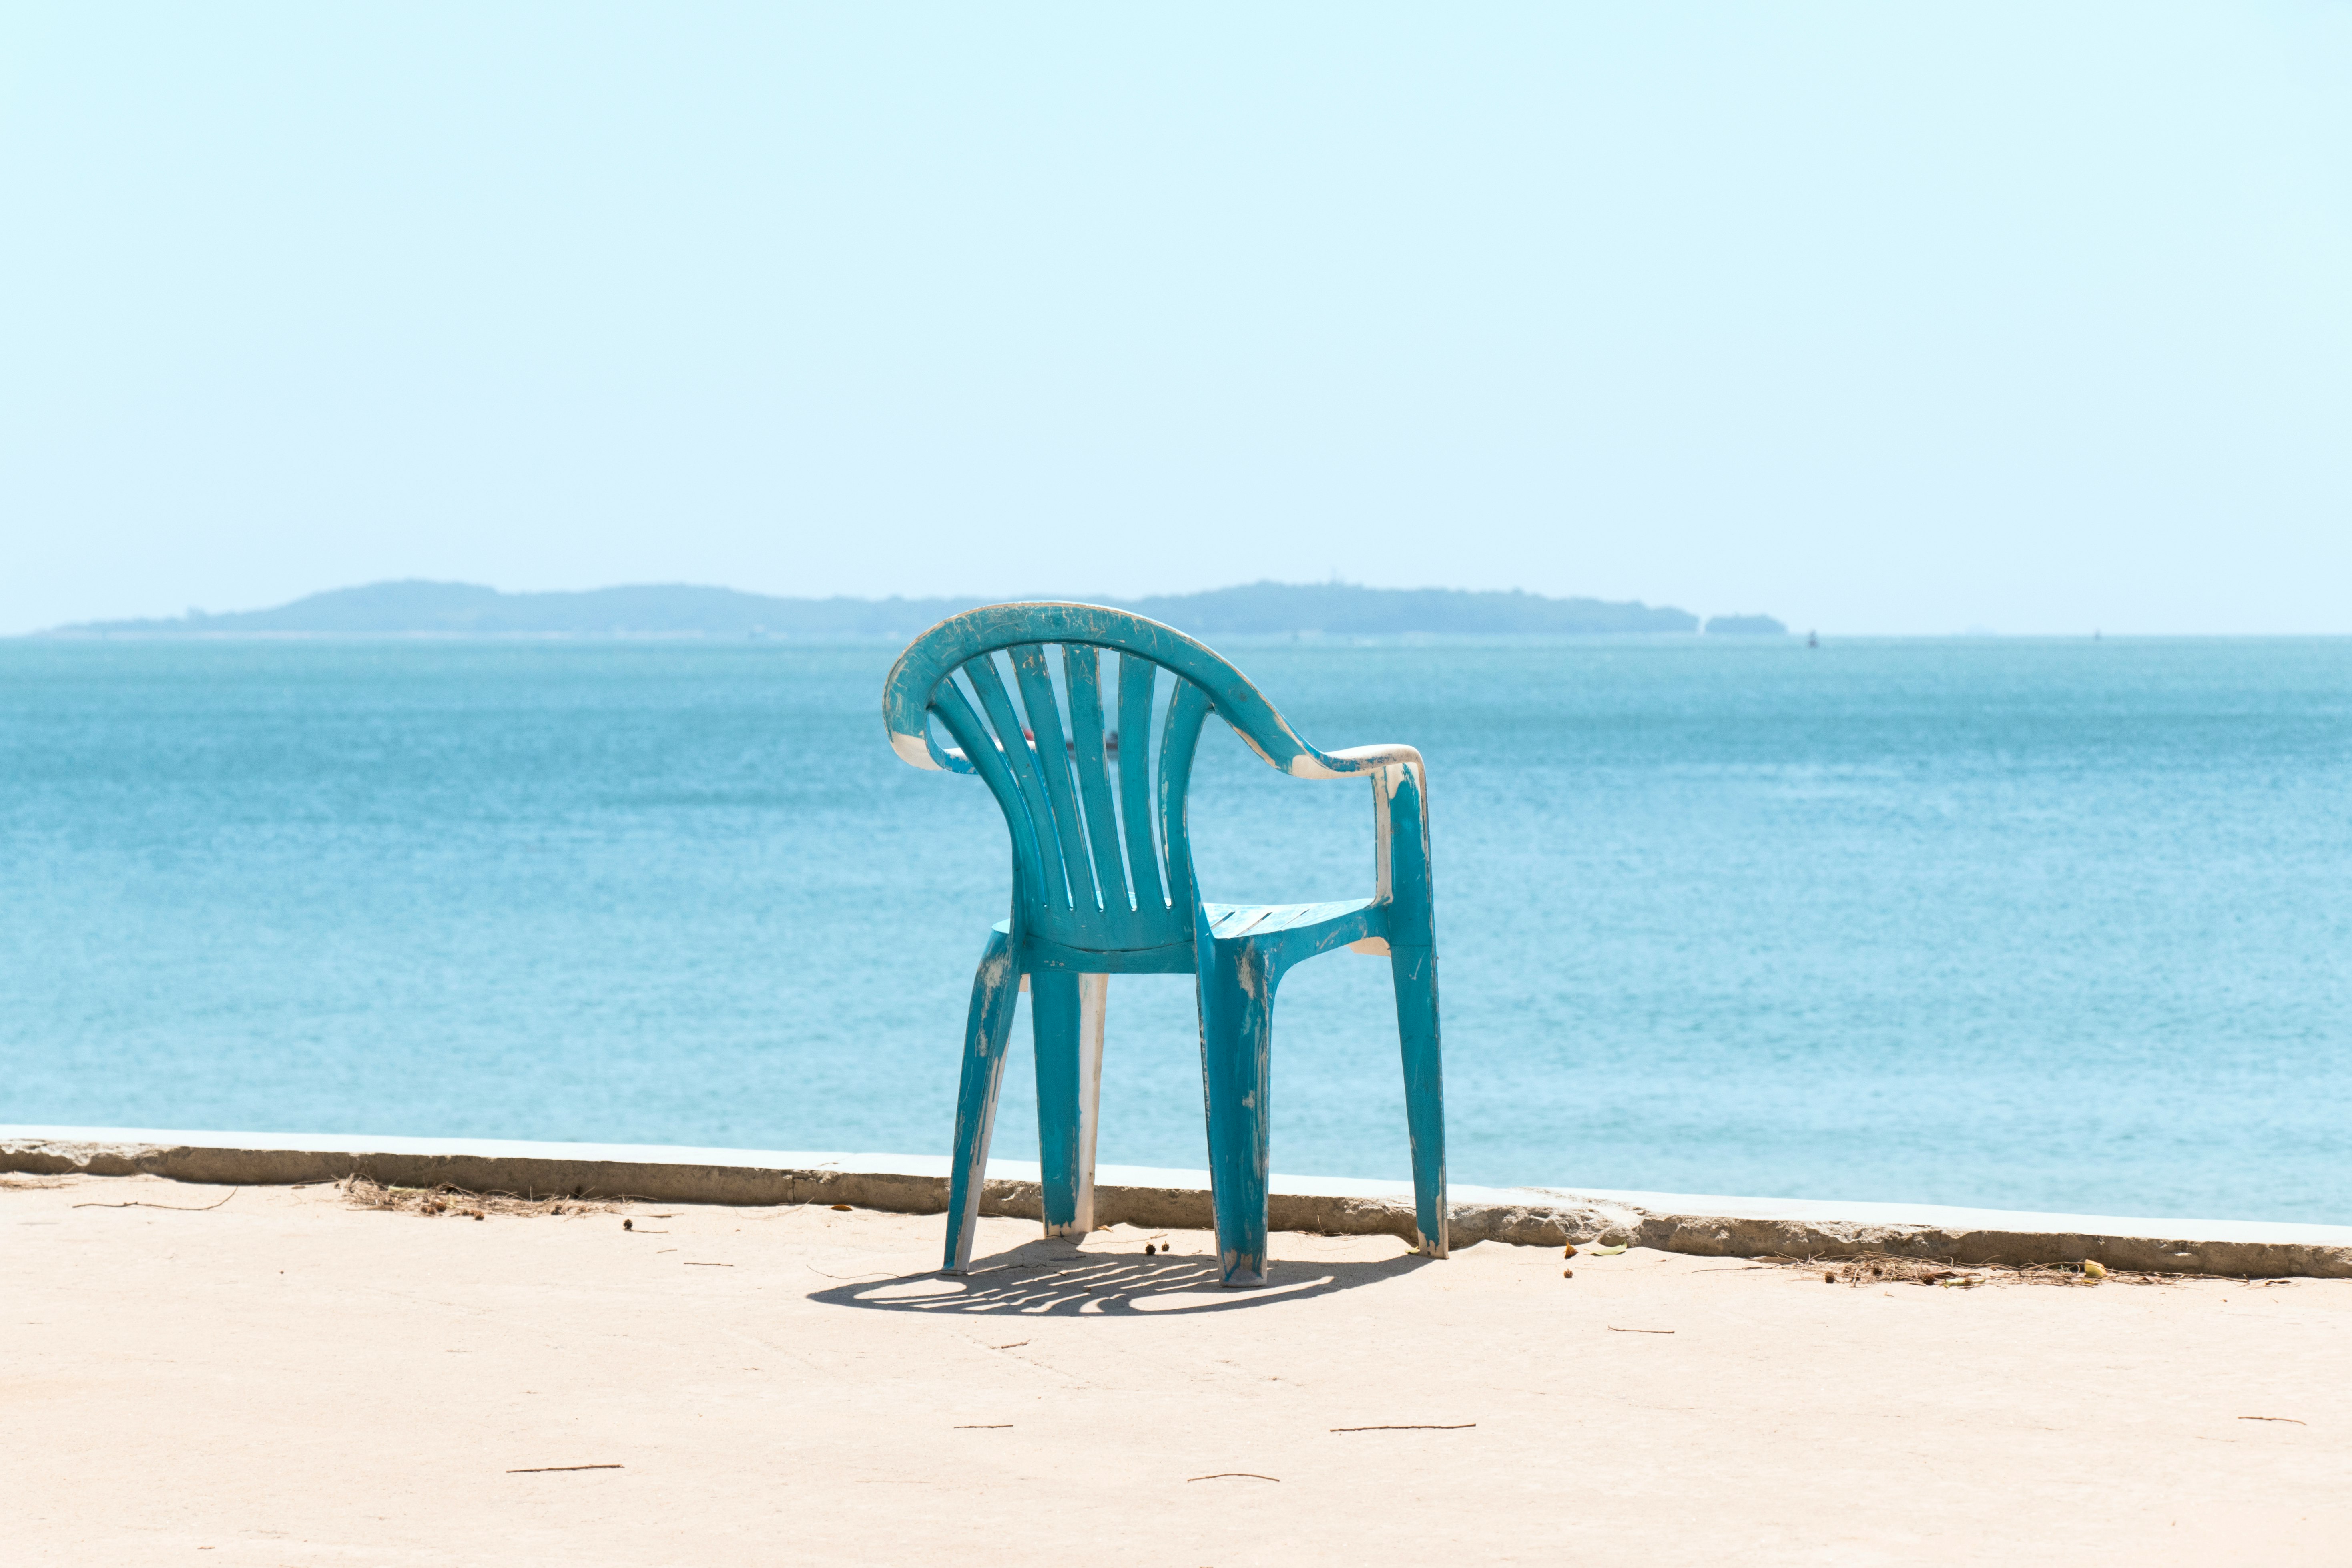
1065,1019
996,990
1414,971
1236,1073
1094,996
1053,1027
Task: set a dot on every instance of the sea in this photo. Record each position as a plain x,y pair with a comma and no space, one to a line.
2039,924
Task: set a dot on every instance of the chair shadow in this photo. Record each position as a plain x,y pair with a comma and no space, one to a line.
1046,1279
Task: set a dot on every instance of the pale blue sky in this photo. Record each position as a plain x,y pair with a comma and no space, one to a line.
1884,318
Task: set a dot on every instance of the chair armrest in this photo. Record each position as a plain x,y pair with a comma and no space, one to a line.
1352,762
1401,878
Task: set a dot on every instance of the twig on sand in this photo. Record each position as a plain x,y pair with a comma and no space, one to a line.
1232,1475
985,1426
1615,1329
2288,1419
550,1469
184,1208
1413,1426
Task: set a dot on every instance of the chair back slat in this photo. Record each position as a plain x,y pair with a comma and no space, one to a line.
1051,748
1022,762
980,749
1082,679
1187,711
1136,677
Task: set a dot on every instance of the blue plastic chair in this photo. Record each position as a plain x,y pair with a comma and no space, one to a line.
1098,892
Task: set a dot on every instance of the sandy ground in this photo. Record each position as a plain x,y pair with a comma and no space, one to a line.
288,1379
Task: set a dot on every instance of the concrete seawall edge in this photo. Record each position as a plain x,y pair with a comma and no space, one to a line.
1523,1216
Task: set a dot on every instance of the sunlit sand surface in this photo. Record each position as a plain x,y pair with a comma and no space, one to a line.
287,1378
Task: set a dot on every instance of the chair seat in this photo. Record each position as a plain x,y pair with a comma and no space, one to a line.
1300,930
1347,921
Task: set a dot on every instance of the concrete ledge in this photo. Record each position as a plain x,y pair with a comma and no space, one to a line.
1672,1222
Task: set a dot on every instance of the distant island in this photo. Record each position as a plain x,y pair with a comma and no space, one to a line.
463,609
1745,626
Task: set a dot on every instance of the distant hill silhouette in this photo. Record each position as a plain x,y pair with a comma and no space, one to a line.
464,609
1745,626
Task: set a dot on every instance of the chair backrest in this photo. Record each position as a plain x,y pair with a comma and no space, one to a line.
1098,865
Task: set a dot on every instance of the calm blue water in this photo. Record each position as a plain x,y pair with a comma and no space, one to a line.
2046,925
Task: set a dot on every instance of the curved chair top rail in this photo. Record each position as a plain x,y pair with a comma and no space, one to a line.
938,653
